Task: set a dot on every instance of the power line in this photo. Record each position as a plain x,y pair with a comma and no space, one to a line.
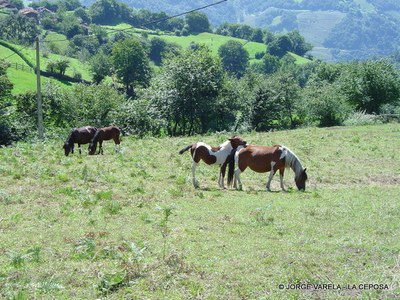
14,53
181,14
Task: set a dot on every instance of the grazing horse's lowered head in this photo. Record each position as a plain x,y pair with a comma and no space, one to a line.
266,159
213,155
82,135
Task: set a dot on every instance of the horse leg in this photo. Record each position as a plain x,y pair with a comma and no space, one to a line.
100,148
271,175
79,146
117,142
281,172
237,184
194,165
222,172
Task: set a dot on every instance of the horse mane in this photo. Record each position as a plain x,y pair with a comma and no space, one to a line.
291,160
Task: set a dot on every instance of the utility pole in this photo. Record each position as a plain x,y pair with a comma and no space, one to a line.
39,93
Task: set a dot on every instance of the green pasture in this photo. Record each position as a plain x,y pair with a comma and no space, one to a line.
59,40
30,54
130,225
24,80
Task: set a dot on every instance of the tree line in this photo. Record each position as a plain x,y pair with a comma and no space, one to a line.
193,94
151,87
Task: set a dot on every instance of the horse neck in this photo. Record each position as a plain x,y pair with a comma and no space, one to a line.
292,161
71,138
226,146
96,137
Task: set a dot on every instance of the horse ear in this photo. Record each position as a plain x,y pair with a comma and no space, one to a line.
304,170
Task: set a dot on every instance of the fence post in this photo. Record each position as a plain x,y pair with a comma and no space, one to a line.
39,93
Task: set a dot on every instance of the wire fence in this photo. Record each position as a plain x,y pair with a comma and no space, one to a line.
22,67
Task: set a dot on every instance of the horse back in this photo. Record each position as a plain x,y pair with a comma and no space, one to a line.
108,133
259,158
84,135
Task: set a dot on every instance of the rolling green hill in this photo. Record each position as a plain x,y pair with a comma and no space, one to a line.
213,41
339,30
23,77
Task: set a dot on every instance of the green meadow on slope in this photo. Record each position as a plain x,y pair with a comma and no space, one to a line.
131,225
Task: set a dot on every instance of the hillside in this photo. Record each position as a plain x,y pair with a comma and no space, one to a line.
211,40
131,225
338,30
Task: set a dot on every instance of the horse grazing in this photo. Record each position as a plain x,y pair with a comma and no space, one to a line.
213,155
104,134
263,159
82,135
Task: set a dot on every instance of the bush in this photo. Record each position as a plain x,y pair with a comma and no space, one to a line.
359,118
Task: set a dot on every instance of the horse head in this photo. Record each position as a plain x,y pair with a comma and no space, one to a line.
237,141
92,148
68,148
301,180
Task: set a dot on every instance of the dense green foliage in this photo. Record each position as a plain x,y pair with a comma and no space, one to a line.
131,64
235,59
18,29
192,90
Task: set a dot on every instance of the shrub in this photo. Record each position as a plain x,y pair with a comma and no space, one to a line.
359,118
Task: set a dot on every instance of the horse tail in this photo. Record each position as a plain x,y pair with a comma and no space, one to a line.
185,149
231,170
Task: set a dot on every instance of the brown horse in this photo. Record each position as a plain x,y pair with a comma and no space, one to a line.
104,134
213,155
263,159
82,135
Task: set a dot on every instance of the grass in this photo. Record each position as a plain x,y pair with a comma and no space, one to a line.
130,224
30,54
23,80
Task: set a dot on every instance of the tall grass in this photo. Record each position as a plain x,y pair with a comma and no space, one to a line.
131,225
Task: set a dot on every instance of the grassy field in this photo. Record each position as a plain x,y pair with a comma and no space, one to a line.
30,54
130,225
23,80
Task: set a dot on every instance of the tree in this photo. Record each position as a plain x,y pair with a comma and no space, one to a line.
280,46
274,103
19,28
6,129
299,44
197,22
186,91
270,64
234,57
157,48
108,11
131,64
100,66
370,84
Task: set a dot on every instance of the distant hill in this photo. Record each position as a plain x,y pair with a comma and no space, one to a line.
338,30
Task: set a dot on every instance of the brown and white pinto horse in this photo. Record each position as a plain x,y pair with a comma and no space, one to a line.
263,159
82,135
104,134
213,155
